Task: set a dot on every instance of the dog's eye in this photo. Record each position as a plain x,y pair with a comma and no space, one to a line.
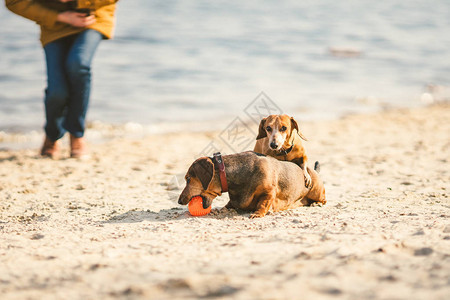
269,129
188,179
283,128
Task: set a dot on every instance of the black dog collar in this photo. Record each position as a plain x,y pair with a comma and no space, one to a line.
285,151
288,150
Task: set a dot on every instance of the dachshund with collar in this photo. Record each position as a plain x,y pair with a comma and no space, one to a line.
279,137
255,183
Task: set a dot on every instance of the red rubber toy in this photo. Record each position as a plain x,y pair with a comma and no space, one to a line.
196,207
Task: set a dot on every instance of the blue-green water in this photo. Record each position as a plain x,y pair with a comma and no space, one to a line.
179,61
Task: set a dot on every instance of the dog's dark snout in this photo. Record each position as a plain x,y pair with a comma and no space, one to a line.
179,201
273,145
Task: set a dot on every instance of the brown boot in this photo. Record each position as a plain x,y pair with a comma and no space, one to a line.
78,148
50,148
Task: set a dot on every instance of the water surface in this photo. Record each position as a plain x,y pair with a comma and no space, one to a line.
182,61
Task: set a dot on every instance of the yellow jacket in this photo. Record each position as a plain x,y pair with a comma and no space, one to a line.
45,12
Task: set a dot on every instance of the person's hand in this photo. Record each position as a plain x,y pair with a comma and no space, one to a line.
76,19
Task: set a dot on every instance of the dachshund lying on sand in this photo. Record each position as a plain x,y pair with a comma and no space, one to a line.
256,183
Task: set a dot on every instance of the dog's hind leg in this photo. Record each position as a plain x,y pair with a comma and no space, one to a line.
316,195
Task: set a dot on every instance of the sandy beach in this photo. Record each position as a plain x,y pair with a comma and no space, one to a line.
110,227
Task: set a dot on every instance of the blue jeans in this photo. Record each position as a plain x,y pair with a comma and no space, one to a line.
69,82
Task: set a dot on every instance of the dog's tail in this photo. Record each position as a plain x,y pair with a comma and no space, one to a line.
317,167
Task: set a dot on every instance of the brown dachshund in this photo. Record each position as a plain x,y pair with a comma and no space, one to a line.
256,183
280,137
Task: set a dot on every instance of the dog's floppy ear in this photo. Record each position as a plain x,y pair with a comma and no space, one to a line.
262,131
294,125
204,170
206,202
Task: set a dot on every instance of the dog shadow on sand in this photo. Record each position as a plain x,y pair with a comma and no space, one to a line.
136,216
173,214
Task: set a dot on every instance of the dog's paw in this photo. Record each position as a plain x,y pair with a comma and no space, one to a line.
308,181
256,215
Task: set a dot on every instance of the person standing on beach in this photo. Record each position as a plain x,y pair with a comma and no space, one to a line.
71,31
